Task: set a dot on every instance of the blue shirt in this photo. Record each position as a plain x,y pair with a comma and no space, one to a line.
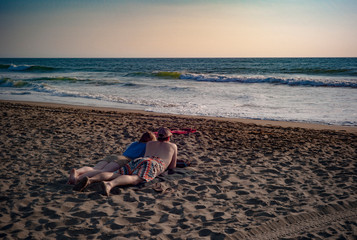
135,150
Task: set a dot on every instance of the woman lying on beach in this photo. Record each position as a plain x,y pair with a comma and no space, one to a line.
159,156
133,151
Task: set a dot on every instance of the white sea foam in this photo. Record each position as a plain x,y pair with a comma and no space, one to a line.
275,79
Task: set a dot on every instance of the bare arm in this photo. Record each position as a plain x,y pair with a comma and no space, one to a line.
174,159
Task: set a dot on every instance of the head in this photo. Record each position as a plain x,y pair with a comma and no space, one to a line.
164,134
147,137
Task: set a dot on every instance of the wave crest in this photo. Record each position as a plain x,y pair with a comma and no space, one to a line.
27,68
103,97
159,74
271,80
316,81
8,82
175,75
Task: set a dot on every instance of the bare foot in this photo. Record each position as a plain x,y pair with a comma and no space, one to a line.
81,185
105,188
72,177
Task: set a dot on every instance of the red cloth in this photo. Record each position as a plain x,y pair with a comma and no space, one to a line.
181,131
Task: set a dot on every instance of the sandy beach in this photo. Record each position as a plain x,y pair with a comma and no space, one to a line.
248,179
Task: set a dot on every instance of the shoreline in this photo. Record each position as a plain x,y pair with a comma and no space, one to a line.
284,124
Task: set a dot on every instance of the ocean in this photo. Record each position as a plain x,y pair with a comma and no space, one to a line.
311,90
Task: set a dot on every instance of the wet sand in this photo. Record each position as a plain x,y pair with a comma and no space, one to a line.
248,180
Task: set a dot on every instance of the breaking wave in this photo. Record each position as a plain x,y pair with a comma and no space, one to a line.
174,75
316,81
103,97
159,74
321,82
27,68
7,82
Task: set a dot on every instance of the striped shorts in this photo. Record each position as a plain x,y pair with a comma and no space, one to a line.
147,168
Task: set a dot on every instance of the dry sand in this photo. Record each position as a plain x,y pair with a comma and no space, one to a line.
247,181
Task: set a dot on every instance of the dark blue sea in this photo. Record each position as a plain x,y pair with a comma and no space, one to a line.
313,90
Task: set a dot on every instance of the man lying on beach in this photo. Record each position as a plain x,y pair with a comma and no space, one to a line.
133,151
159,156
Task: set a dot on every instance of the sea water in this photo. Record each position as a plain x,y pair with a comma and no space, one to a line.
313,90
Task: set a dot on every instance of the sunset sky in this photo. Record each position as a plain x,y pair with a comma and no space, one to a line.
178,28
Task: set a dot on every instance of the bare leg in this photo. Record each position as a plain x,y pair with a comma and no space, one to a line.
101,165
111,167
77,174
86,169
86,181
91,174
103,176
121,180
72,176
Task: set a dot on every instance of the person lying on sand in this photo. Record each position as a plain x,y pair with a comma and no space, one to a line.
159,156
133,151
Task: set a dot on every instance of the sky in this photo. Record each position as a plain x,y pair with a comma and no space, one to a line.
178,28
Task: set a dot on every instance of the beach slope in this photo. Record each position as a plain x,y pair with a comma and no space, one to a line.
246,181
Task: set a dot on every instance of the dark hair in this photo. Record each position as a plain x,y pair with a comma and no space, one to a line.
147,137
163,139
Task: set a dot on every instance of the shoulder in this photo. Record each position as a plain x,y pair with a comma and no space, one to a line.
173,145
150,143
170,144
